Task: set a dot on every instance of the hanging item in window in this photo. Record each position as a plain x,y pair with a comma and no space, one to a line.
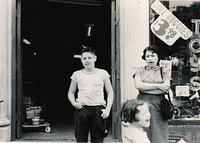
89,29
167,27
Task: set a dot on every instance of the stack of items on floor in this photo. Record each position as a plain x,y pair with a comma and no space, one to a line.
32,111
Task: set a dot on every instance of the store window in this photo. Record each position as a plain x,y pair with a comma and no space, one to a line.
174,28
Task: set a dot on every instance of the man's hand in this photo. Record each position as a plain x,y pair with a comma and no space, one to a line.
105,113
77,105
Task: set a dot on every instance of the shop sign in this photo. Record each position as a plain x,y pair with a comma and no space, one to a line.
194,46
182,90
167,27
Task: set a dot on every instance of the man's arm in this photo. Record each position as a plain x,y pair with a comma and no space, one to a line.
71,95
110,97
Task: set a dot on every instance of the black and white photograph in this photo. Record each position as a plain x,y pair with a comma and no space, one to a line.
100,71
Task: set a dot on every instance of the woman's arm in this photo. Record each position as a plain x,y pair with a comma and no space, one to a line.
144,86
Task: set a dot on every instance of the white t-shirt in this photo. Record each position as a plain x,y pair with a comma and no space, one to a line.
134,135
90,86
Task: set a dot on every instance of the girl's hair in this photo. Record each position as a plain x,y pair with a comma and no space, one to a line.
154,49
129,110
88,49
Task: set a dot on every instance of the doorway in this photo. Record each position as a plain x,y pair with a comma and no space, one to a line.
53,33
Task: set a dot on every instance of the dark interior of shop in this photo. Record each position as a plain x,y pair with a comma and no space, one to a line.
52,33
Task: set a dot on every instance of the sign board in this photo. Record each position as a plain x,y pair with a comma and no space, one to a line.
167,27
182,90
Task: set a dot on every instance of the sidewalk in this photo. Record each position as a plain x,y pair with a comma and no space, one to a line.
58,134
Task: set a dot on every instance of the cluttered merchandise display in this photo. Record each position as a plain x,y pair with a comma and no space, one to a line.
185,84
174,27
180,52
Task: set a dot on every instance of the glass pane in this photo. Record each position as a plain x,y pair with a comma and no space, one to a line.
184,52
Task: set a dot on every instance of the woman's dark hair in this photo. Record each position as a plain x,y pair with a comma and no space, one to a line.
88,49
154,49
129,110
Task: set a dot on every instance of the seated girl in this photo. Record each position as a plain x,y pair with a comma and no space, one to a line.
135,116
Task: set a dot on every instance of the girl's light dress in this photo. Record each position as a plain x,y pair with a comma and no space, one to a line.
134,135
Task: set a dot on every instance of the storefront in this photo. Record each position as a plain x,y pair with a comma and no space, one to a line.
28,26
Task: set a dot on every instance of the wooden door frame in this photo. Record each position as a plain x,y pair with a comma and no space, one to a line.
13,70
16,58
115,64
17,110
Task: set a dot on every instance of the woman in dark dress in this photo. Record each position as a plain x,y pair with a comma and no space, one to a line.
152,83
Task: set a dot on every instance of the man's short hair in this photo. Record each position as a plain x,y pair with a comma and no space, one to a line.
88,49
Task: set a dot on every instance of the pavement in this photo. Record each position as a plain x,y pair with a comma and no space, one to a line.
58,134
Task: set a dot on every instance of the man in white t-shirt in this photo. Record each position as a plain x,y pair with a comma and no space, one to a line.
91,107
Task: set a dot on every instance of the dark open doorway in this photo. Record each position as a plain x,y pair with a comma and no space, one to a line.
52,33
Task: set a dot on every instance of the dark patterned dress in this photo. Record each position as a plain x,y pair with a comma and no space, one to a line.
158,130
